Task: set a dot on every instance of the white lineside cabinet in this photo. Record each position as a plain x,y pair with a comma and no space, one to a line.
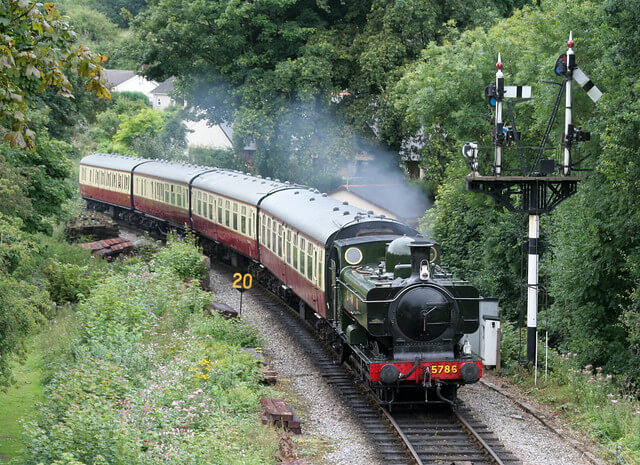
484,342
490,334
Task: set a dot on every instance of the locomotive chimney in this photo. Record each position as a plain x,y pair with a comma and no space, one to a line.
420,255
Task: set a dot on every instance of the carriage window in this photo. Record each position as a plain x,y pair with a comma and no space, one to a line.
295,250
227,212
219,211
268,232
173,195
289,246
302,248
279,240
309,261
235,216
199,206
273,238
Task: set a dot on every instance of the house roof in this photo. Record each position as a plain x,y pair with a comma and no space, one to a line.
164,87
228,131
118,76
402,200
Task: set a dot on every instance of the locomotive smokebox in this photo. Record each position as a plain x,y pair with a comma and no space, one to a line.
422,255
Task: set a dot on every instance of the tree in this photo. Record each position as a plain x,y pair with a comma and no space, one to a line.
38,50
145,123
295,76
35,184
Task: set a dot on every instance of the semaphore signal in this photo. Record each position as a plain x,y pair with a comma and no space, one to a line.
538,188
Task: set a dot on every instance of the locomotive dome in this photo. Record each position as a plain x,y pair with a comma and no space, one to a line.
398,252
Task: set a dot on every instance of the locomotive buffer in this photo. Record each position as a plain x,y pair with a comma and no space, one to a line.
541,185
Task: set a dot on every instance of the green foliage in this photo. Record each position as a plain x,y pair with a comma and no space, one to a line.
145,123
299,78
67,282
39,51
150,378
36,183
99,32
586,396
221,158
22,308
16,247
182,256
119,11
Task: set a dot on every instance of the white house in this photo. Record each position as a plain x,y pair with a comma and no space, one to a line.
161,96
200,134
123,80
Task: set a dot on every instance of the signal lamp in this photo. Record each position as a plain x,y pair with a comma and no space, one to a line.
490,94
561,65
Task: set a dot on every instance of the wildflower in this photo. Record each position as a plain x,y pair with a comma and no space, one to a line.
588,367
614,401
610,395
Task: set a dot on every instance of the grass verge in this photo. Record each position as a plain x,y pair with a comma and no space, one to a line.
18,403
604,408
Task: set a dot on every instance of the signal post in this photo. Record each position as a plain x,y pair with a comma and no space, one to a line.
540,183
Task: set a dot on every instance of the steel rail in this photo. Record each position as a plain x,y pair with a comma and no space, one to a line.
478,438
405,439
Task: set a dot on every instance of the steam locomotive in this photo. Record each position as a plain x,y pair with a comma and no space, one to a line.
370,285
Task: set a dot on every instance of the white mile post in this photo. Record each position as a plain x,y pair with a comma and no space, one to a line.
568,117
499,123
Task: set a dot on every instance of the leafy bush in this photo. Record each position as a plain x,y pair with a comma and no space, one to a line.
67,282
183,257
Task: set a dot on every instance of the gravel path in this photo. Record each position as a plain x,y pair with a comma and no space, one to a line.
324,416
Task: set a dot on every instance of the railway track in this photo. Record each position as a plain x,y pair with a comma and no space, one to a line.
444,436
437,435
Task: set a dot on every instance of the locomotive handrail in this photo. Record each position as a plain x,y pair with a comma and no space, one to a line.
404,291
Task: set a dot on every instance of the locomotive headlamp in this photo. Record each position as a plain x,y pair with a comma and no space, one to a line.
466,347
425,270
